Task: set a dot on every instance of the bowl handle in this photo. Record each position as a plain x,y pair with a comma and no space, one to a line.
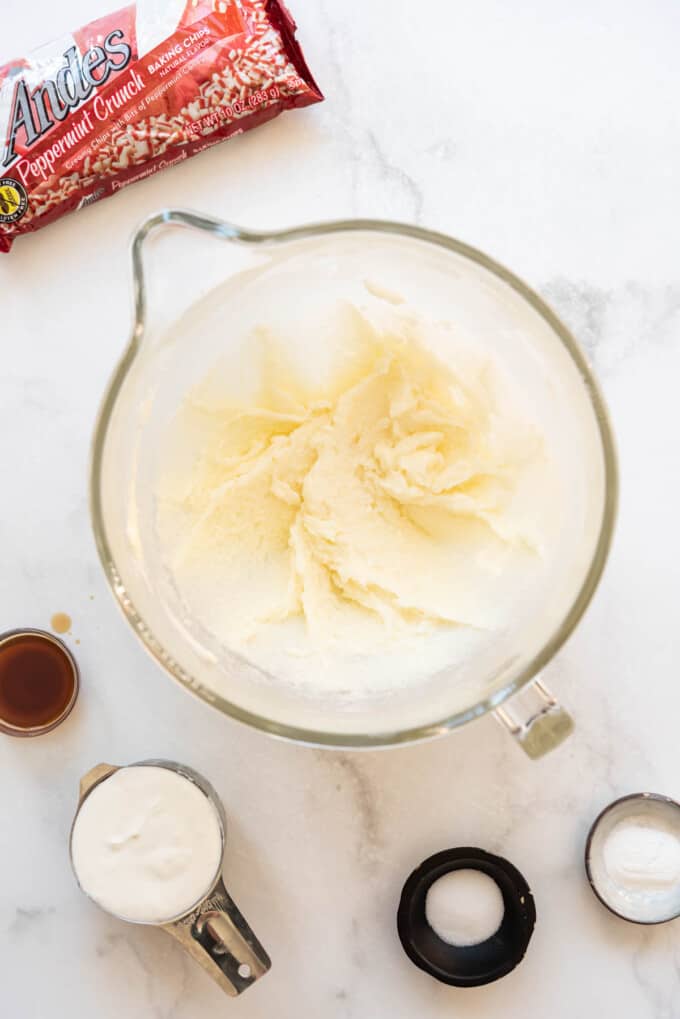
535,719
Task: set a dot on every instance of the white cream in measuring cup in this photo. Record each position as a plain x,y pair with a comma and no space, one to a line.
147,846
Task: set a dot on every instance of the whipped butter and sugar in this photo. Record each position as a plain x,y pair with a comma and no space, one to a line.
398,496
146,844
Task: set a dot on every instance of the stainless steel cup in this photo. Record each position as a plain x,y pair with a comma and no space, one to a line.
214,931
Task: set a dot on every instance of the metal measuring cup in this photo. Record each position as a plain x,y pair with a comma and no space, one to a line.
214,931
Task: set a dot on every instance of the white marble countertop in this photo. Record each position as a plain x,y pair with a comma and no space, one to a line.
547,134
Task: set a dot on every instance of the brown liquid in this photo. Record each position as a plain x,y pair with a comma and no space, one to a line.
37,681
61,622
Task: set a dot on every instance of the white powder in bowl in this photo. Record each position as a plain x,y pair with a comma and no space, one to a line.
642,856
465,907
633,858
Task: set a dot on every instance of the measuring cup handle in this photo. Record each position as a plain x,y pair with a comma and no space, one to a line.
535,719
219,939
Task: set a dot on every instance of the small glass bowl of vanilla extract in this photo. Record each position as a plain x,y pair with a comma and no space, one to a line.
39,682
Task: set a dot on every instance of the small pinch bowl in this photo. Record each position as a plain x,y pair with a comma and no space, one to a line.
472,965
651,805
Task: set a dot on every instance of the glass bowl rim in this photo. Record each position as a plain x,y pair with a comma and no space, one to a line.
299,734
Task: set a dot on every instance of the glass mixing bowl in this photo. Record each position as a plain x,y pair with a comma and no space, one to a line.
186,307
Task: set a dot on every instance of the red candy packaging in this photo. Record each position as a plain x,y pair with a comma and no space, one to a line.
129,94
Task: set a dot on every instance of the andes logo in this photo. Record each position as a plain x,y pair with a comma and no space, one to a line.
33,113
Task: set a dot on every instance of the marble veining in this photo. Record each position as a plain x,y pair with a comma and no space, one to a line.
362,793
612,323
389,173
546,135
